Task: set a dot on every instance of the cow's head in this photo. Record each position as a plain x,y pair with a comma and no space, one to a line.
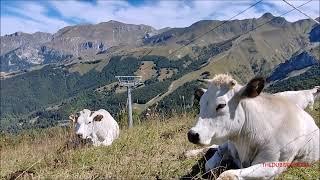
218,119
84,122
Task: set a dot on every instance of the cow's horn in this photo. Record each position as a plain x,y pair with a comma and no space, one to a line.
204,80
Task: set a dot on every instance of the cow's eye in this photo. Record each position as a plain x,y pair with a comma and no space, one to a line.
220,106
89,122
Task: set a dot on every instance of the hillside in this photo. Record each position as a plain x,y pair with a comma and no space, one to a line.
18,39
63,82
150,150
91,39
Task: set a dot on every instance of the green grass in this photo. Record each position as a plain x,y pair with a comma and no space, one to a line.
150,150
312,172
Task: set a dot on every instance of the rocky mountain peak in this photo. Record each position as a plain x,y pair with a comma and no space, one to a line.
91,39
14,34
18,39
267,16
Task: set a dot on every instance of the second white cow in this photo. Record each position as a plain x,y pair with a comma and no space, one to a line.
99,126
302,98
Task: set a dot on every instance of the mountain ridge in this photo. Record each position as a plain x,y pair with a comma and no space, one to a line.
242,48
88,40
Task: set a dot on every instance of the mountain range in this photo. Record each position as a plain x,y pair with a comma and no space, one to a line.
46,76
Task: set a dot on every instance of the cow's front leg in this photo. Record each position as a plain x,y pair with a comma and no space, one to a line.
95,140
258,171
196,152
225,151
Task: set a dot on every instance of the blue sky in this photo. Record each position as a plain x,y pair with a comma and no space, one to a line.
48,16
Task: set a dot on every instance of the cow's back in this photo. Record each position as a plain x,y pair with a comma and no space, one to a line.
301,98
288,129
297,130
108,127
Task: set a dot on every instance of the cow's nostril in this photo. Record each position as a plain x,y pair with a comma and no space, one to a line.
80,136
193,137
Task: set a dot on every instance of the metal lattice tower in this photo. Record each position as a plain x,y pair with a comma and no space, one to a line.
130,82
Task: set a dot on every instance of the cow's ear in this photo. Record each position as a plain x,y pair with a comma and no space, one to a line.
254,87
198,93
98,117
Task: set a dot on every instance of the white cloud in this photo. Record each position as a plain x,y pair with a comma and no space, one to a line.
101,12
280,7
157,14
10,25
31,19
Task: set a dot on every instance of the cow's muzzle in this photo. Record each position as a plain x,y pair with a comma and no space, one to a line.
193,137
80,136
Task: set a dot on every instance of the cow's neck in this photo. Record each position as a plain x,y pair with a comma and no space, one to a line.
247,150
250,135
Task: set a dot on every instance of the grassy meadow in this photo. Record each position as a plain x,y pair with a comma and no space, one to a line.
150,150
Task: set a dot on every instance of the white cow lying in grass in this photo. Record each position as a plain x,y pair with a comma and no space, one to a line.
303,98
261,128
99,126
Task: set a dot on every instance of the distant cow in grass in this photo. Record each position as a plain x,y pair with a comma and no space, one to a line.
99,126
262,128
303,98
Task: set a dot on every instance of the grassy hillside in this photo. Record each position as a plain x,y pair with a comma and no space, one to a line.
28,96
51,84
151,150
54,86
49,94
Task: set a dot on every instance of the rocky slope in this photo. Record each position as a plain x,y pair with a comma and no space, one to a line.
21,51
91,39
18,39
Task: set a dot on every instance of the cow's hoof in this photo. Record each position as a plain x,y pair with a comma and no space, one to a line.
228,175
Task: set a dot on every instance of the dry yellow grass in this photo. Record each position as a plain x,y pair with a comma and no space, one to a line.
153,149
150,150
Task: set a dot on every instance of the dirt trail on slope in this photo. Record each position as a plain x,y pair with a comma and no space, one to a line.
181,81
